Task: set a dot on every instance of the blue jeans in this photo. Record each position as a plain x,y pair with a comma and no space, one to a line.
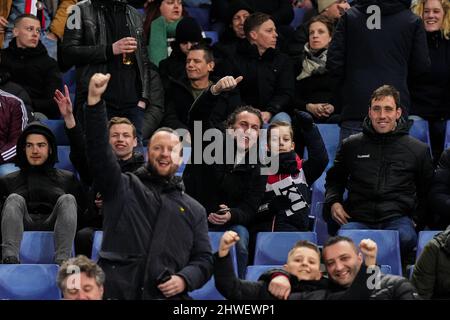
404,226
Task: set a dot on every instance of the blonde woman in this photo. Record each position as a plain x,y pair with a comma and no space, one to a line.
430,93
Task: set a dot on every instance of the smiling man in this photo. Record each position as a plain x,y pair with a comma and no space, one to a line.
386,171
155,236
195,96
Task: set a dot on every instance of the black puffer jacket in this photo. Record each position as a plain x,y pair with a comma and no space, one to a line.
268,82
387,175
149,224
41,186
364,59
439,197
431,274
86,47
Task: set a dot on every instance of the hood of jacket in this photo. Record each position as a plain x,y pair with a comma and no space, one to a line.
443,238
387,7
36,128
401,129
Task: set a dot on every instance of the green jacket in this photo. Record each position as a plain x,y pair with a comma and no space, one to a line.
431,274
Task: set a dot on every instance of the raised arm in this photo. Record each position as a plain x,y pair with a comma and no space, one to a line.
102,161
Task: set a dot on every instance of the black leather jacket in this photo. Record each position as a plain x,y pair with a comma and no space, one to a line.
85,45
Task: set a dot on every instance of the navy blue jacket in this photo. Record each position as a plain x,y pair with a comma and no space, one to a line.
150,225
363,59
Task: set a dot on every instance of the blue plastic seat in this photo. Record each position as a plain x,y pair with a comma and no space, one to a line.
29,282
272,248
299,13
64,159
37,247
423,238
388,246
420,130
330,136
213,35
320,226
447,135
254,272
57,127
201,15
209,291
96,245
7,168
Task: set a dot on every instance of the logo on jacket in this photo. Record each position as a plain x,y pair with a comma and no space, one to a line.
363,156
182,210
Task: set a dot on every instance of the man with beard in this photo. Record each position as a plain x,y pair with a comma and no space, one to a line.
155,240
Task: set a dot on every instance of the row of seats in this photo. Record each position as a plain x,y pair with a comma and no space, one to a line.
202,16
35,278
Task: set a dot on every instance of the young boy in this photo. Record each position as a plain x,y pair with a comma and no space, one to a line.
288,197
302,270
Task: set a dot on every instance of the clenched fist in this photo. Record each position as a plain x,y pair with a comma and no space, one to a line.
97,86
228,240
369,249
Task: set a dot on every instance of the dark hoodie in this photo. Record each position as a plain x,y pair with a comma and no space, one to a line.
387,175
364,59
36,72
41,186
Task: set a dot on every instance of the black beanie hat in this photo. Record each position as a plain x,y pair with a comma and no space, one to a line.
235,6
188,30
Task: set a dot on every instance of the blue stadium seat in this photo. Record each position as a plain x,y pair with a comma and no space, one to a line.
29,282
388,246
330,136
420,131
96,245
64,159
57,127
318,191
320,226
254,272
7,168
37,247
447,135
209,291
423,238
299,13
273,247
201,15
213,35
69,79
